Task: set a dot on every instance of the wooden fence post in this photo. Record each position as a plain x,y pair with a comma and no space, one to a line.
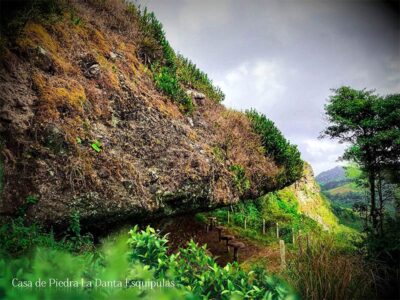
293,237
263,226
299,241
245,223
277,230
283,256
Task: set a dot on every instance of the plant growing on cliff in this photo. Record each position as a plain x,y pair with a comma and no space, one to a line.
96,146
155,50
191,76
167,82
240,180
170,71
284,153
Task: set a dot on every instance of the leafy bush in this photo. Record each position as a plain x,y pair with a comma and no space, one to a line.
167,82
211,281
285,154
148,248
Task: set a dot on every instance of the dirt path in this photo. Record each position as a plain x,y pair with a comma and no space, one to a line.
182,229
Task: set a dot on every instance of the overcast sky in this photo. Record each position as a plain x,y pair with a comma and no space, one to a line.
282,57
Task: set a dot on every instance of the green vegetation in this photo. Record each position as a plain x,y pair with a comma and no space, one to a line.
283,207
242,183
219,154
170,71
96,146
139,269
18,237
156,51
328,268
345,191
285,154
276,207
348,217
191,76
325,272
369,123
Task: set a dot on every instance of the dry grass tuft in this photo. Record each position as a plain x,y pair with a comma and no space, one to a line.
36,35
324,272
59,96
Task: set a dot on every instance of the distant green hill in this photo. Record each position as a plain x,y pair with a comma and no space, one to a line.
338,188
342,192
337,174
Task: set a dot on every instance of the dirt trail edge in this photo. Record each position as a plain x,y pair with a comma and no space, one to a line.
184,228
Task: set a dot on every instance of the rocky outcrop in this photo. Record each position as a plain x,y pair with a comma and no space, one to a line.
311,201
84,130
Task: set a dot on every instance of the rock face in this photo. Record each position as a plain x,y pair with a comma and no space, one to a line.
311,201
86,131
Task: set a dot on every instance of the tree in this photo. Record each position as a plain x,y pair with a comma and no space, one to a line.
351,120
370,124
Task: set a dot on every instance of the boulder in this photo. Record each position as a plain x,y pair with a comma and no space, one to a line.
195,94
42,59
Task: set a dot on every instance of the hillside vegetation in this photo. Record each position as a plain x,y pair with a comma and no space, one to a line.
326,261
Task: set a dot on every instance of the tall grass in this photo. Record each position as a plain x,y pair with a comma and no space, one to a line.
324,272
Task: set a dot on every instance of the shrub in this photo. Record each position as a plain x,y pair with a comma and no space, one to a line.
209,280
148,248
191,76
167,82
155,50
285,154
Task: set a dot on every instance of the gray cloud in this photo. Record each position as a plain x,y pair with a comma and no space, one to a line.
282,57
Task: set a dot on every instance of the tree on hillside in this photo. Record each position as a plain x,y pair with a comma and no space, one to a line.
369,123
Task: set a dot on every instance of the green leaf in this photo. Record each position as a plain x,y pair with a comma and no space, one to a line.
96,147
